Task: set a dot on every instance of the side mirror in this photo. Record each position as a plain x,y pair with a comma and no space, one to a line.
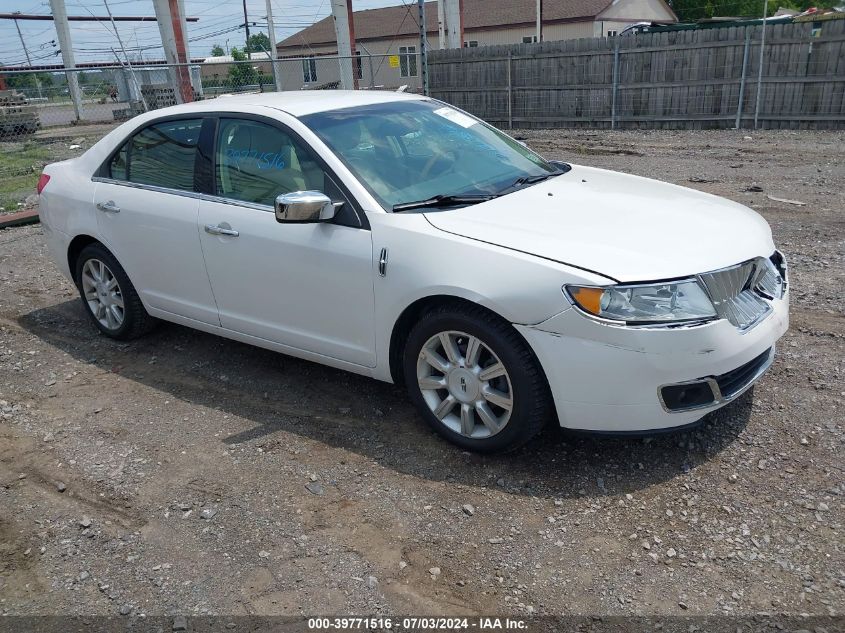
304,206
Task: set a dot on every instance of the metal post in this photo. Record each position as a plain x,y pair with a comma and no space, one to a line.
274,52
760,68
423,47
57,7
615,83
741,98
510,92
28,60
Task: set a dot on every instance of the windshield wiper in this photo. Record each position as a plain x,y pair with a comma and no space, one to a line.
561,168
531,180
443,201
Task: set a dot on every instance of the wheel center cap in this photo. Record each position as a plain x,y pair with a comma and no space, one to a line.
464,385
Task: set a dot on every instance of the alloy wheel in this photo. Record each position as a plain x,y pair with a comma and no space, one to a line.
465,384
102,293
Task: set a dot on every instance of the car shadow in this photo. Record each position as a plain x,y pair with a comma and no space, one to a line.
278,393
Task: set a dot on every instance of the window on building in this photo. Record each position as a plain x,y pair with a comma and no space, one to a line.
471,44
529,39
359,65
309,70
408,61
611,33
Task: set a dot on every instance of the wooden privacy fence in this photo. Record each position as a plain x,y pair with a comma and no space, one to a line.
677,79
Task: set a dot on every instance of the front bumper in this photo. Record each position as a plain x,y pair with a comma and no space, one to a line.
609,378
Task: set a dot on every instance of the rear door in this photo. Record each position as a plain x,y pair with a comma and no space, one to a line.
147,214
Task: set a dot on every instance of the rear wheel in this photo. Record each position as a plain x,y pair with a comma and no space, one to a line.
475,380
109,297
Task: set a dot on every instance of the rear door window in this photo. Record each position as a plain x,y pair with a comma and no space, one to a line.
162,155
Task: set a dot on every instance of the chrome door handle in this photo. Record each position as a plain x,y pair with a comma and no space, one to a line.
219,230
108,207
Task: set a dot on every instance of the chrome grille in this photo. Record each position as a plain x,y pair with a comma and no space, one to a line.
731,290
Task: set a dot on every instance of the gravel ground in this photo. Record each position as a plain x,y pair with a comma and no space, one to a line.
184,473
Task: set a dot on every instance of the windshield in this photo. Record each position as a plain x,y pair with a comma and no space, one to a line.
409,151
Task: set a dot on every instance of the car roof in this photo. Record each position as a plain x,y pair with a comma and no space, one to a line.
299,102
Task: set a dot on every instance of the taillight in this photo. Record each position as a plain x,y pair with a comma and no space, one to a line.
42,182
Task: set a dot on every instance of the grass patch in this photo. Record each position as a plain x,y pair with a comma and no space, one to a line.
20,166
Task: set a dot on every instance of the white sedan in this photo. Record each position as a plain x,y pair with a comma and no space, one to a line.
397,237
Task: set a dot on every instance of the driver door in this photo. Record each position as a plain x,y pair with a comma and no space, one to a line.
306,286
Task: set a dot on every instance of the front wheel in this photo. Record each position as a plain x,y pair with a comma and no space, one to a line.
475,380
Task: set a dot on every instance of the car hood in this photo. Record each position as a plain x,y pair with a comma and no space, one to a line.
624,227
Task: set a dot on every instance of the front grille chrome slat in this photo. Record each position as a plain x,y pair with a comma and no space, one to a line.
733,294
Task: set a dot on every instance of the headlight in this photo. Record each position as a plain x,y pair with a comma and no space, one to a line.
769,281
683,300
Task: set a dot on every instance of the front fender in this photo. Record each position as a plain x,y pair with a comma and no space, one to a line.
423,261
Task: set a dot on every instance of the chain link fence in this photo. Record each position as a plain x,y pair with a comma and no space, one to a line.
48,115
724,77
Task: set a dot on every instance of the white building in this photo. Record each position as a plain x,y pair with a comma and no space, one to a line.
394,31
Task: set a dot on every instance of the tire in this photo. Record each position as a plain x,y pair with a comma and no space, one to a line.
123,324
476,388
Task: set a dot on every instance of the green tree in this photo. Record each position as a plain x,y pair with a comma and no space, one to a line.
28,80
217,51
258,43
241,73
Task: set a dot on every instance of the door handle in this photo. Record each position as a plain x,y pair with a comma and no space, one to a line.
108,207
220,230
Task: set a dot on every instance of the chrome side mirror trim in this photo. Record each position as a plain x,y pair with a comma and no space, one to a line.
304,206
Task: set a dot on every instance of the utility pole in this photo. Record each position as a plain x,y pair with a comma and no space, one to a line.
345,33
246,26
423,47
441,24
539,35
271,31
183,71
28,60
453,14
57,7
172,28
450,23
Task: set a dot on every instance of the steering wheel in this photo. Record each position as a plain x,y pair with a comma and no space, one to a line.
434,160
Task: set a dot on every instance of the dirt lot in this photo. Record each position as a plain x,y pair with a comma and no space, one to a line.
183,473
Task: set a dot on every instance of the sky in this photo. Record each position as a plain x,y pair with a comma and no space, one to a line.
92,41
